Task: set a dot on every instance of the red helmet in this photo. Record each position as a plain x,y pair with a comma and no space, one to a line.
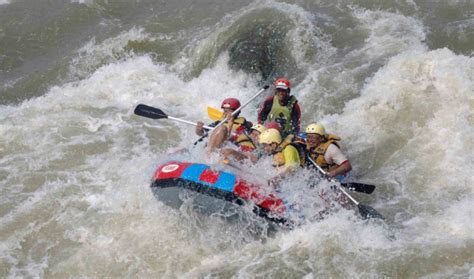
282,83
231,103
273,125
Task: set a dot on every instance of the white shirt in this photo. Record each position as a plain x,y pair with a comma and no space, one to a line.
334,155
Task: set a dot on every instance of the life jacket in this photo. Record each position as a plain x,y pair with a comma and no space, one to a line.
245,143
317,153
237,128
282,114
238,135
279,157
296,143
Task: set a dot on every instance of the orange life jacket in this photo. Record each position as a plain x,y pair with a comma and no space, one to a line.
245,143
317,153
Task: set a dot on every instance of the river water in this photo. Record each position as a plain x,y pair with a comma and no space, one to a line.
393,78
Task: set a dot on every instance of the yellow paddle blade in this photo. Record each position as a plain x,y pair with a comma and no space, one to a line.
214,114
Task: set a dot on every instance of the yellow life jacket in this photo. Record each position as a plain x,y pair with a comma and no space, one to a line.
282,114
317,153
279,157
290,139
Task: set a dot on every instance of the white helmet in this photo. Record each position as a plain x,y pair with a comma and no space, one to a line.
315,128
270,136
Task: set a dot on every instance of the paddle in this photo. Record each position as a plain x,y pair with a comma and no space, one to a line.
156,113
234,113
365,210
214,114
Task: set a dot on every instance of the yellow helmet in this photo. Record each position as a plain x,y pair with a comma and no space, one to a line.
258,127
270,136
315,128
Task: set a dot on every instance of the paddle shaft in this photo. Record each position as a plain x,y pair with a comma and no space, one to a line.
335,182
364,210
233,113
242,106
156,113
188,122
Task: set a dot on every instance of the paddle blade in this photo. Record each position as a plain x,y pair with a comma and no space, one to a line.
150,112
214,114
359,187
369,212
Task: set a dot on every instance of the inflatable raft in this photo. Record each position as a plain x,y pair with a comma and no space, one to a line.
173,178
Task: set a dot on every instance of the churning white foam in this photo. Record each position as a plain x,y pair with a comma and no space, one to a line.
411,129
76,165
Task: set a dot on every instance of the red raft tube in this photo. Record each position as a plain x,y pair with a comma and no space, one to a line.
172,178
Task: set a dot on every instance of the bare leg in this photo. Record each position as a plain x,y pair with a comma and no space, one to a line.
217,137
